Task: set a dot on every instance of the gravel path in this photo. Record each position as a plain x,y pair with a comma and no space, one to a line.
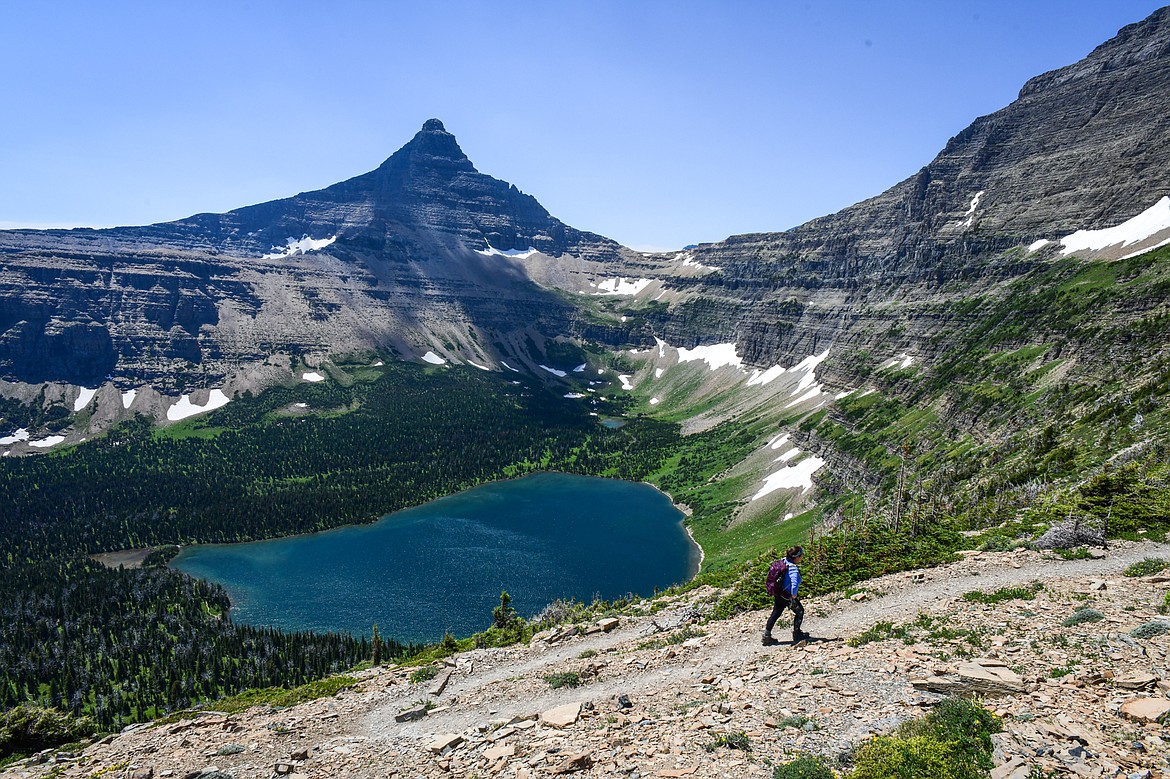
499,683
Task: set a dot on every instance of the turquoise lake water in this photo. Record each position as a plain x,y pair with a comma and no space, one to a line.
440,567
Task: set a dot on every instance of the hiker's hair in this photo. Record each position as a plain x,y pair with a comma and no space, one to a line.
794,552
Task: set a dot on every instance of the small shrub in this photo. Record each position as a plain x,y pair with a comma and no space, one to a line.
1079,553
879,632
804,767
1083,615
951,742
280,697
1165,607
738,740
1158,627
28,729
1147,567
424,674
566,679
918,756
1004,593
795,721
588,653
997,542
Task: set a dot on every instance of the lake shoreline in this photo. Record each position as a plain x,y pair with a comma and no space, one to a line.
543,537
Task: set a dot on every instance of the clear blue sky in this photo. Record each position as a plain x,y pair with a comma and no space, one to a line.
656,123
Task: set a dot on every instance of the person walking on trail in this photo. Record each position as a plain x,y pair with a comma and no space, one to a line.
784,584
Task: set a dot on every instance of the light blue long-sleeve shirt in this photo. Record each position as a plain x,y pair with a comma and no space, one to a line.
791,583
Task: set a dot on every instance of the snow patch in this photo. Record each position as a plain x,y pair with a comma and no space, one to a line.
83,399
622,286
626,382
312,376
554,371
433,359
658,372
1153,220
763,377
601,371
301,405
580,368
185,408
20,435
520,253
477,365
798,475
844,394
45,443
128,397
654,401
786,456
779,441
971,210
716,355
299,246
575,395
1038,245
812,393
901,362
379,364
509,367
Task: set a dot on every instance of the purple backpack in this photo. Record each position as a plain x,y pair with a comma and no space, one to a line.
776,572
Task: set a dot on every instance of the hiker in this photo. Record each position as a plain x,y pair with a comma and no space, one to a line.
784,584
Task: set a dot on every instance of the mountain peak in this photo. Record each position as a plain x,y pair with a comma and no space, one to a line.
431,148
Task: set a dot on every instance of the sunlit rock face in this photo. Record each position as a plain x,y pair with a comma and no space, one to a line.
422,249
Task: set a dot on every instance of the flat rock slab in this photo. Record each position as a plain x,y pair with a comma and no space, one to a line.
562,716
1135,681
1146,709
503,750
993,680
444,742
440,684
607,624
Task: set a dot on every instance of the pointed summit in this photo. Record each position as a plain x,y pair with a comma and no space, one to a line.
431,148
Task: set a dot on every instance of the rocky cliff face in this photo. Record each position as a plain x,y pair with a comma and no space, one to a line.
417,255
1084,147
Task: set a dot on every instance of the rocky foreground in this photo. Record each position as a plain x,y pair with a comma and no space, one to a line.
1077,672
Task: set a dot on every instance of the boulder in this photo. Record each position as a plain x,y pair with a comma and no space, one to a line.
607,624
1137,680
561,716
577,762
440,684
990,680
1146,709
444,742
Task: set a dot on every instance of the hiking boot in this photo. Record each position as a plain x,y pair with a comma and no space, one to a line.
769,641
800,635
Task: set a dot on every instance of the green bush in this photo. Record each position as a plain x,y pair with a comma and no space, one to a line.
1004,593
917,757
1147,567
804,767
566,679
1082,615
879,632
28,729
424,674
951,742
1158,627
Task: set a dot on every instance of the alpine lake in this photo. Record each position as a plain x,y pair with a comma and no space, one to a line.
440,567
